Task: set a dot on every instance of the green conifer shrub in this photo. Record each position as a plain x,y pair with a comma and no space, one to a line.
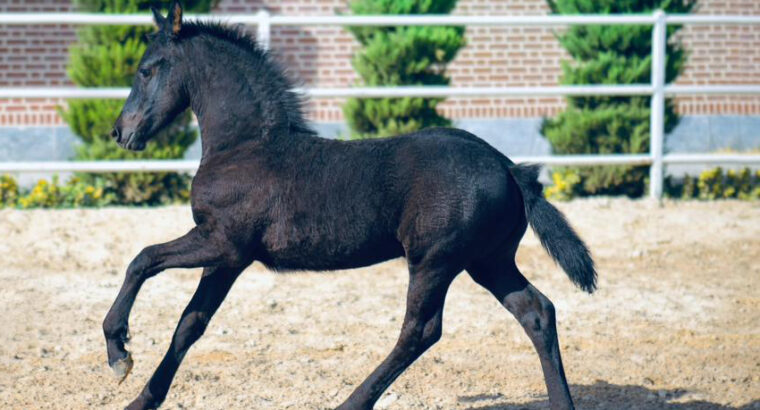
401,55
612,54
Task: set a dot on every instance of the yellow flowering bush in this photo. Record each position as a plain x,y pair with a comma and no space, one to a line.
714,183
565,185
710,184
81,192
78,194
8,191
43,195
52,194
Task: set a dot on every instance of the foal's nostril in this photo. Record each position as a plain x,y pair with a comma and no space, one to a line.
115,134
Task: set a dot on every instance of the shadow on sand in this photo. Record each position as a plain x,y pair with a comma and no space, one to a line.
602,395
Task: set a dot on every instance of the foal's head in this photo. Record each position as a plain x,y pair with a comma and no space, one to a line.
157,94
217,69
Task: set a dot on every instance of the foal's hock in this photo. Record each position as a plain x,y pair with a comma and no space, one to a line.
269,190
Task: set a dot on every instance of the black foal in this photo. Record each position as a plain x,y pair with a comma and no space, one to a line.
268,189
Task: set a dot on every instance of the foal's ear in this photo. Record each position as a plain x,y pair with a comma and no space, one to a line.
158,18
174,23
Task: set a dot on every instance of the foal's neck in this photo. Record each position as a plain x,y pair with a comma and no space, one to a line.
240,98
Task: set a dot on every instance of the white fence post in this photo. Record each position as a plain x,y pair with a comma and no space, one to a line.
263,28
657,114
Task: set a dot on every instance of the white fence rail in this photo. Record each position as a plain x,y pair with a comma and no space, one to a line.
416,91
192,165
264,21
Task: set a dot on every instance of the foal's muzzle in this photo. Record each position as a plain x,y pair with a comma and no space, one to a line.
116,134
127,138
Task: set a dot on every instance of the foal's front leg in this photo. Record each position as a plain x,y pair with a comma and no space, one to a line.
194,249
213,288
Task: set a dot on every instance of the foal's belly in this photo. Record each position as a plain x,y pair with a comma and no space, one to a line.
326,249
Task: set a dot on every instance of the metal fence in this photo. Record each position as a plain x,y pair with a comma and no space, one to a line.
657,88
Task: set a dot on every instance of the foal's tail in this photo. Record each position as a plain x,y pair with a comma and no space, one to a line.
552,229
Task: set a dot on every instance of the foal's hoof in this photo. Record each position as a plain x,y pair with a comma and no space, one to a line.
122,367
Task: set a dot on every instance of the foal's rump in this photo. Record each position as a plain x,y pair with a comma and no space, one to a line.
458,189
465,191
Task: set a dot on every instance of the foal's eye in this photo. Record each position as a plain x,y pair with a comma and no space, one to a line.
145,72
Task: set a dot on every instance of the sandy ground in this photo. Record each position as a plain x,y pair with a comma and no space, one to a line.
674,325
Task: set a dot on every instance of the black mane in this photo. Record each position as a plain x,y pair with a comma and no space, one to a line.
234,34
274,78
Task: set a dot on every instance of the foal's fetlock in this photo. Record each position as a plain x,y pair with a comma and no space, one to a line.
119,359
116,329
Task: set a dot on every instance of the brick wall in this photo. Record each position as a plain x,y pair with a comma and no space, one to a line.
320,56
33,56
506,56
722,54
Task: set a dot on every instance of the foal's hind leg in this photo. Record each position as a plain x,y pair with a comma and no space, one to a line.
421,329
212,289
535,312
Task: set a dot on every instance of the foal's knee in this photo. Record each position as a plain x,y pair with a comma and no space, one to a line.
138,269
